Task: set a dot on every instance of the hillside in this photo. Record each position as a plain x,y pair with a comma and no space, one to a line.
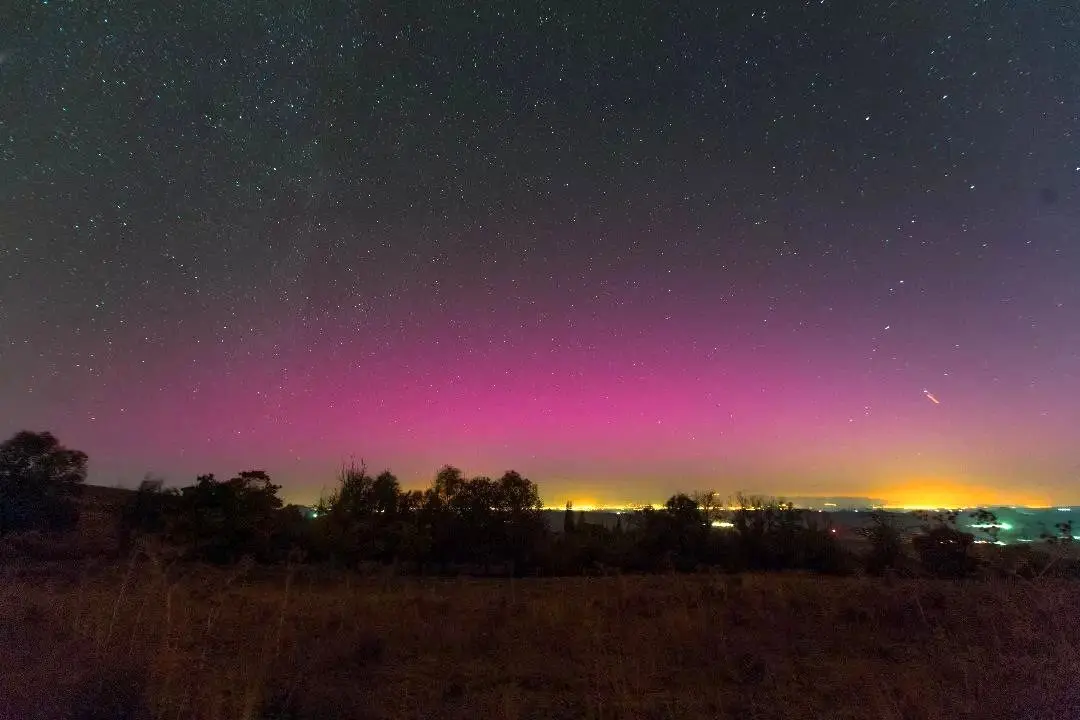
140,642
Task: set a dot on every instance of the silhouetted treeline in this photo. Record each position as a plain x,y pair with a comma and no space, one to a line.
474,525
477,522
479,525
39,482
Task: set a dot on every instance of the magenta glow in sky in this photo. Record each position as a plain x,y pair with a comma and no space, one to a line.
625,260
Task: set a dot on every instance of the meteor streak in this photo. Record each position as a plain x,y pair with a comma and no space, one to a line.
930,395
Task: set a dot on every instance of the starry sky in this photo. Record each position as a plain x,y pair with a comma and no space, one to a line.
625,248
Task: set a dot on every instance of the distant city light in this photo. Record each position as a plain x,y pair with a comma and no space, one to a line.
999,526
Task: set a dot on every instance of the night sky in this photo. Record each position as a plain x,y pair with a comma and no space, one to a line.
626,249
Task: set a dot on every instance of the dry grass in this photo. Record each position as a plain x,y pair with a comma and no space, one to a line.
137,642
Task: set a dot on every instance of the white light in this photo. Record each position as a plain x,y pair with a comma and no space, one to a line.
1000,526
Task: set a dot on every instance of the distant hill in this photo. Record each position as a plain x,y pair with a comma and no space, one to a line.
836,503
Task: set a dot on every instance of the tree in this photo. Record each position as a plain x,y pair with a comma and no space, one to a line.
568,518
687,530
987,522
523,528
365,518
670,538
1060,543
385,493
771,533
886,543
448,481
223,521
1063,533
711,505
39,481
147,512
481,520
942,548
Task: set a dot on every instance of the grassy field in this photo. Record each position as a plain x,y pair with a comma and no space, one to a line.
136,641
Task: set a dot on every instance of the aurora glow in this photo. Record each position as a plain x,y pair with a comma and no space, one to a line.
623,253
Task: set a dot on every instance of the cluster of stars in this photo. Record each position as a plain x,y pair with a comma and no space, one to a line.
732,241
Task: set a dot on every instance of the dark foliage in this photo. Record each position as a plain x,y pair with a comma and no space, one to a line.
672,538
221,522
1063,533
942,548
363,519
476,522
476,525
481,521
147,512
39,482
774,535
886,544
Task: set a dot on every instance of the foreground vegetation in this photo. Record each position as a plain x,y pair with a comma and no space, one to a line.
478,526
146,641
215,601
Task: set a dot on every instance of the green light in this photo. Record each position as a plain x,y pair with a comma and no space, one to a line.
999,526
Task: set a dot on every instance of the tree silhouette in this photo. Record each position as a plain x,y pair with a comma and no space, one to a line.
943,549
523,528
673,537
568,518
39,481
447,482
886,543
385,491
147,513
364,519
482,521
987,522
710,503
223,521
1063,533
462,524
775,535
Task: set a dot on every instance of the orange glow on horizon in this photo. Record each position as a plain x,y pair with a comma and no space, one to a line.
933,493
593,505
916,494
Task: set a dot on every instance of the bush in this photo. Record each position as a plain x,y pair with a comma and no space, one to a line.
886,544
946,552
39,481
